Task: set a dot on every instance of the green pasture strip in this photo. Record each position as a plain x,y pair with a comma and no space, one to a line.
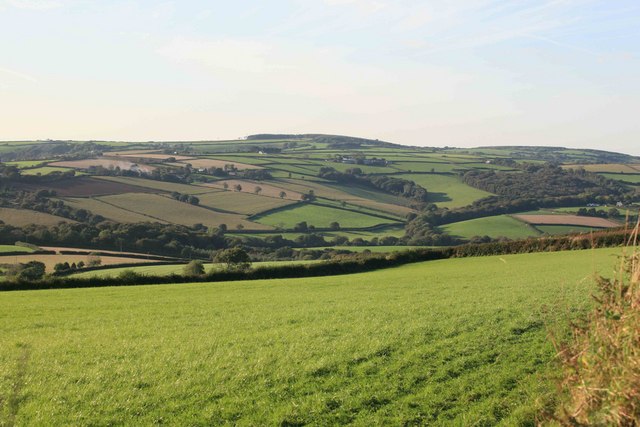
21,164
493,226
624,177
451,342
45,170
13,248
447,191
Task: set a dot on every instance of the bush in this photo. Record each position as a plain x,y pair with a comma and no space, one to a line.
194,268
601,363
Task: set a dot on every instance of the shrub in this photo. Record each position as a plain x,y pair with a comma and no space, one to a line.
194,268
601,364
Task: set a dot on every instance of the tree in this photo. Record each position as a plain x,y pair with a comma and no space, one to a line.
236,259
283,194
194,268
257,190
238,187
334,225
309,197
225,185
301,226
33,270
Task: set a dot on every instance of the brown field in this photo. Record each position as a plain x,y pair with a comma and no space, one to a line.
165,209
83,187
584,221
607,167
214,163
51,260
242,203
104,162
249,187
22,217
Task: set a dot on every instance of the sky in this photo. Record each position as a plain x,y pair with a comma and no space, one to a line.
460,73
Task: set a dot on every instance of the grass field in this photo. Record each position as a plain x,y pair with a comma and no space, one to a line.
22,217
166,209
447,191
319,216
242,203
21,164
452,342
626,177
13,248
107,210
44,170
493,226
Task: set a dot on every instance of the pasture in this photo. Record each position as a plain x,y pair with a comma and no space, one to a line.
447,191
14,248
104,162
165,209
22,217
451,342
242,203
493,226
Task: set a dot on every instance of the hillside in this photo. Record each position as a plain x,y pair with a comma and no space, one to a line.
450,342
312,190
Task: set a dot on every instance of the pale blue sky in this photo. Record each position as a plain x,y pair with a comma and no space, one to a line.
457,73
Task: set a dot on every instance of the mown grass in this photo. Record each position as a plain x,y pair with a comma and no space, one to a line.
319,216
564,229
452,342
446,191
45,170
493,226
13,248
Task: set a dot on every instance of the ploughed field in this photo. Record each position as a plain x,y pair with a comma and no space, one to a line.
459,341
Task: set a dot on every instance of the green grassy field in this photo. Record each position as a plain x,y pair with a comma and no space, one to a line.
446,191
319,216
46,170
452,342
626,177
13,248
242,203
493,226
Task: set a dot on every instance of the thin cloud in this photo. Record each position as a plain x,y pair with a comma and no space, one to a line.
23,76
32,4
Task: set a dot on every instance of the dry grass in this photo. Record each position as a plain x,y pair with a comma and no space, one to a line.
22,217
601,384
104,162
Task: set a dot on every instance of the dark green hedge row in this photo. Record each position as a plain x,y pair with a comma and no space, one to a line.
357,264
